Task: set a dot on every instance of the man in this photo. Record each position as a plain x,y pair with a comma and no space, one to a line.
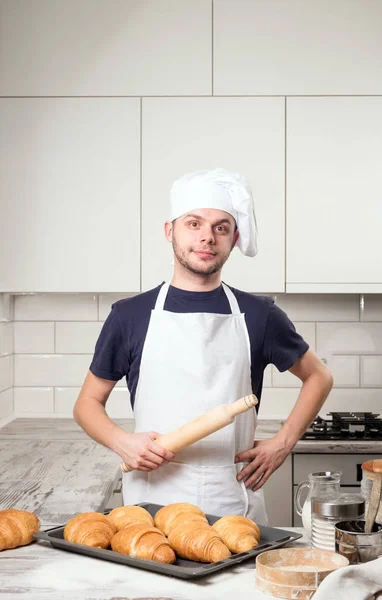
190,346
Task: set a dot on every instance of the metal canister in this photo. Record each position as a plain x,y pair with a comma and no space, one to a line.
326,513
352,542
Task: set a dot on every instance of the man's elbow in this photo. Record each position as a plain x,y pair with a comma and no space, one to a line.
327,379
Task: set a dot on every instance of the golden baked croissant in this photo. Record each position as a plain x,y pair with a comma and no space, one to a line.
239,533
128,515
90,529
197,541
17,528
165,516
143,541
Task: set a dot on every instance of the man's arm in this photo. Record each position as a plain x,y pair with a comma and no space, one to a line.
137,450
267,455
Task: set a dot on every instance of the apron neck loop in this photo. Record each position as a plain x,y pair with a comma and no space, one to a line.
159,305
235,309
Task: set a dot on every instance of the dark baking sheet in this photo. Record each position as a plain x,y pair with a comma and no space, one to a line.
185,569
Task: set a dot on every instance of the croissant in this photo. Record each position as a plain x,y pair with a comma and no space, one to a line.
90,529
127,515
17,528
165,516
143,541
239,534
197,541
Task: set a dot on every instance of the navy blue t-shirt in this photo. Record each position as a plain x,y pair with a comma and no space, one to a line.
118,352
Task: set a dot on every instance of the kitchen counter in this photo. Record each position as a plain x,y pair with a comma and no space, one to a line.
41,572
67,430
268,428
52,468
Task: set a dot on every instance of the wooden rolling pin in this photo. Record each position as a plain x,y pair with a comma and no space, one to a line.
202,426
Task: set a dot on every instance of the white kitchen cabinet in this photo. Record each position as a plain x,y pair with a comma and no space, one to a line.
334,195
278,493
105,48
297,47
180,135
70,188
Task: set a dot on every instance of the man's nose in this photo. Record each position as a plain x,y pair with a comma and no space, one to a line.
207,235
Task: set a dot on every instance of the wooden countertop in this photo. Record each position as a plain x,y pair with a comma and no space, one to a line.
54,469
41,572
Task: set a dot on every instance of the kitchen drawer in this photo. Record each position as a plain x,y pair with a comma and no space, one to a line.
348,464
297,522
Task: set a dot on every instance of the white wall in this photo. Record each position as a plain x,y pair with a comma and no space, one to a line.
185,49
55,335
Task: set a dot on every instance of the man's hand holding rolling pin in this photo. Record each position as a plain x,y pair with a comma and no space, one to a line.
140,452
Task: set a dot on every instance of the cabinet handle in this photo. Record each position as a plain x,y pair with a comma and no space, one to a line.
359,472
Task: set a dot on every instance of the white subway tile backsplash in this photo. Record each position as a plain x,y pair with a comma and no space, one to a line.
6,372
117,406
285,379
371,371
33,400
348,338
6,403
357,399
51,369
6,338
345,370
77,338
34,337
372,308
56,307
106,301
277,403
319,307
6,307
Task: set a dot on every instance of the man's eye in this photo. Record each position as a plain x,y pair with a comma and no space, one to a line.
193,224
221,228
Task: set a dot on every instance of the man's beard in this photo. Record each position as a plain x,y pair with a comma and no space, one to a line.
208,269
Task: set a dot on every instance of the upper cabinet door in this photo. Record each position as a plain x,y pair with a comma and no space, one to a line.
180,135
334,194
297,47
69,182
105,47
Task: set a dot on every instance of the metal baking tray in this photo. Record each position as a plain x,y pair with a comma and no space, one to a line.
184,569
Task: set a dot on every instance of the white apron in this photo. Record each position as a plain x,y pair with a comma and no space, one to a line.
191,363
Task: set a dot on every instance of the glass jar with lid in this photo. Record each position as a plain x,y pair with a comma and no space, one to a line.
326,513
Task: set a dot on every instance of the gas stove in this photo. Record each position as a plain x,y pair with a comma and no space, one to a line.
345,426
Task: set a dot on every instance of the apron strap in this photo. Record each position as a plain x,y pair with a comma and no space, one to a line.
159,305
235,309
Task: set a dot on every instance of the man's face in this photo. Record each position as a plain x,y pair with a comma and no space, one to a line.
202,239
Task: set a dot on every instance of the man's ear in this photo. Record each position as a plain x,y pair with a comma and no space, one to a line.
168,228
235,238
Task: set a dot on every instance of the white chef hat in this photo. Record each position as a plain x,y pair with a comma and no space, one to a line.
223,190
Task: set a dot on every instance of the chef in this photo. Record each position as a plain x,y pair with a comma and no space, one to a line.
194,343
